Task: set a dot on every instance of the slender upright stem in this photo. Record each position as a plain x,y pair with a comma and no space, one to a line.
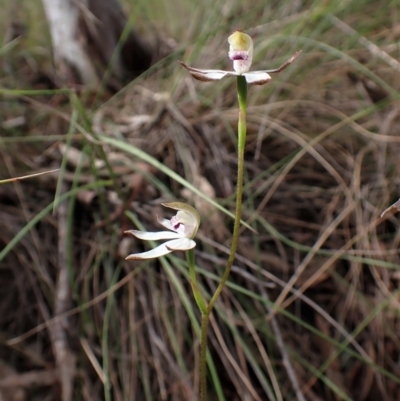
203,356
242,94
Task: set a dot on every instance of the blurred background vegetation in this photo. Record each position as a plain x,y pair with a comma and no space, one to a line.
311,311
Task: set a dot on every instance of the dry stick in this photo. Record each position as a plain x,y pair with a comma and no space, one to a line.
65,359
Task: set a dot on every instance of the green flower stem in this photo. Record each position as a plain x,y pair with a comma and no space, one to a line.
242,95
203,356
201,303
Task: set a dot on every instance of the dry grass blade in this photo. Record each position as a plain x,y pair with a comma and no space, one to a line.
24,177
393,208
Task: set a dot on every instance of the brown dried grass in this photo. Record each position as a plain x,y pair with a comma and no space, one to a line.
322,164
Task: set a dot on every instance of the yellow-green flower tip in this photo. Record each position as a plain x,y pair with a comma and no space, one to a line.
240,41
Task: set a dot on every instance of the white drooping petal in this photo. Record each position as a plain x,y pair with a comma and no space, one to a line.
161,250
208,75
257,77
211,75
145,235
181,244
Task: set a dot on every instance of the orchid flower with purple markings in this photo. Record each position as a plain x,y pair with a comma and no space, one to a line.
241,53
183,226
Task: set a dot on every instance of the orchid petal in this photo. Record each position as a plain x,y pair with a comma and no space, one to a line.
285,64
257,77
145,235
166,223
181,244
208,75
161,250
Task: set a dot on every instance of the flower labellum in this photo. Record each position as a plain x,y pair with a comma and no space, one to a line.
241,53
183,226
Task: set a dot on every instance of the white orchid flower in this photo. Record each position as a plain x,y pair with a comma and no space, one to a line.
183,226
241,53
